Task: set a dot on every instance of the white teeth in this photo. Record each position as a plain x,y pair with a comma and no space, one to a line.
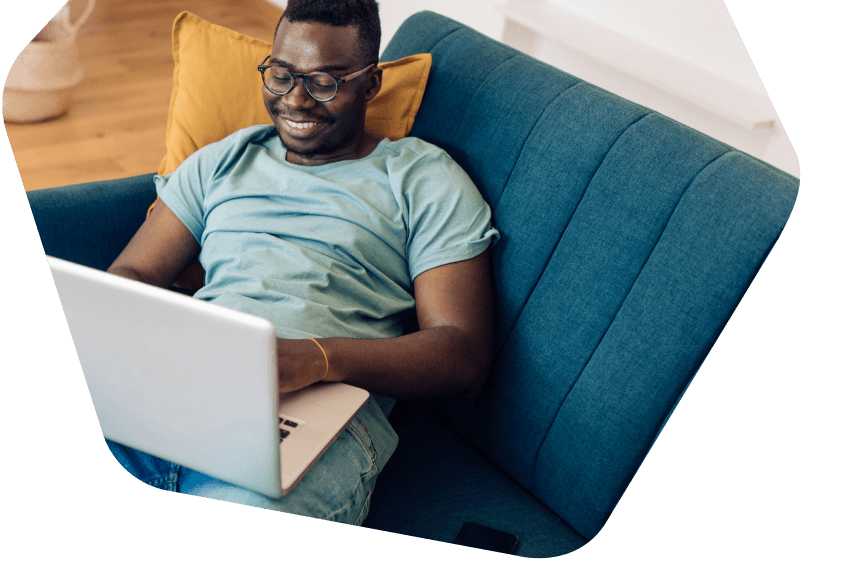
301,125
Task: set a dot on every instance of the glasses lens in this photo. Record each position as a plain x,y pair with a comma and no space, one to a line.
321,86
277,79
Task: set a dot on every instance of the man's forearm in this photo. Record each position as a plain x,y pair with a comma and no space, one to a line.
437,362
448,357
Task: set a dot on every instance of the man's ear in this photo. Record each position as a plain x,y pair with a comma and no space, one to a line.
376,77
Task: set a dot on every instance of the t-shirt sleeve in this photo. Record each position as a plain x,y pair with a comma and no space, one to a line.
183,190
449,221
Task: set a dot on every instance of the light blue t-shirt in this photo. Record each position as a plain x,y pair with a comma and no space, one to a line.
328,250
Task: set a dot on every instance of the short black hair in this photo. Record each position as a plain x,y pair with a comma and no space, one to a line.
361,13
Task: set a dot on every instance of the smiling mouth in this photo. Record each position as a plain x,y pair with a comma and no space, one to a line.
300,125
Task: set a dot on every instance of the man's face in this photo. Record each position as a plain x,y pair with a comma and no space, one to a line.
321,132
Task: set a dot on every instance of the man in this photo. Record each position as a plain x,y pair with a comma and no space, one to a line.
337,237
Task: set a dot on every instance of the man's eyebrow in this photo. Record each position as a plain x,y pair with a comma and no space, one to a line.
330,68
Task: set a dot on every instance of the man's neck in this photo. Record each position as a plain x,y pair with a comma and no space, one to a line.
359,149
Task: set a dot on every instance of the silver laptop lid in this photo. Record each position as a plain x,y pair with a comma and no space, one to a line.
182,379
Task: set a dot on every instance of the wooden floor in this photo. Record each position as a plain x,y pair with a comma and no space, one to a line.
116,124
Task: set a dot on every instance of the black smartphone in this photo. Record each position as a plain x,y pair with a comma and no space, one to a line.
484,538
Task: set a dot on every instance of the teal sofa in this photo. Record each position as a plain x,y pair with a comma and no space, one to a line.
628,240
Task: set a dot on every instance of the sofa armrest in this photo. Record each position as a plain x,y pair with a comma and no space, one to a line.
91,223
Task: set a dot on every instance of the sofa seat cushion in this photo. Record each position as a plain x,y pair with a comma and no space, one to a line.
435,482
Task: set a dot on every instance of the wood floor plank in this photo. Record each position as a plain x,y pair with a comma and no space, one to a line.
116,124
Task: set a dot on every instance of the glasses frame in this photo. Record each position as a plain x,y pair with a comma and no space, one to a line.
305,75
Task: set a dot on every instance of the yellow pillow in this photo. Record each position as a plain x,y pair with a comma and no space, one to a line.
217,89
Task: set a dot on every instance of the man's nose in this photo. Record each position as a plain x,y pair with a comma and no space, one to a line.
298,97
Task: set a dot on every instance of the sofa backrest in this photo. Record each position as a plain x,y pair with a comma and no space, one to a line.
628,240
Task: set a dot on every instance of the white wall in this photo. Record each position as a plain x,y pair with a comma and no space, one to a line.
700,31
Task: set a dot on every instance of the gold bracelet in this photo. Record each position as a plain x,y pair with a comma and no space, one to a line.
327,365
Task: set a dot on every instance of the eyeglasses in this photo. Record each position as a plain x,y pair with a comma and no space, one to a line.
322,86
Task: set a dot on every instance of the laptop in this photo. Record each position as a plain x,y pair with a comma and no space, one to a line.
196,383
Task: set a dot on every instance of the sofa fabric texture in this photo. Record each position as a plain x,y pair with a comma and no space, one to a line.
628,240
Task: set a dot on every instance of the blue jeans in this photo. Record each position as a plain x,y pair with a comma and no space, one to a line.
338,487
90,224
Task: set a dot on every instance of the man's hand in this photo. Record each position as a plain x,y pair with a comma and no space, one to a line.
300,362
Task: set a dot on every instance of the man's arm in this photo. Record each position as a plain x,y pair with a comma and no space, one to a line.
448,357
159,251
